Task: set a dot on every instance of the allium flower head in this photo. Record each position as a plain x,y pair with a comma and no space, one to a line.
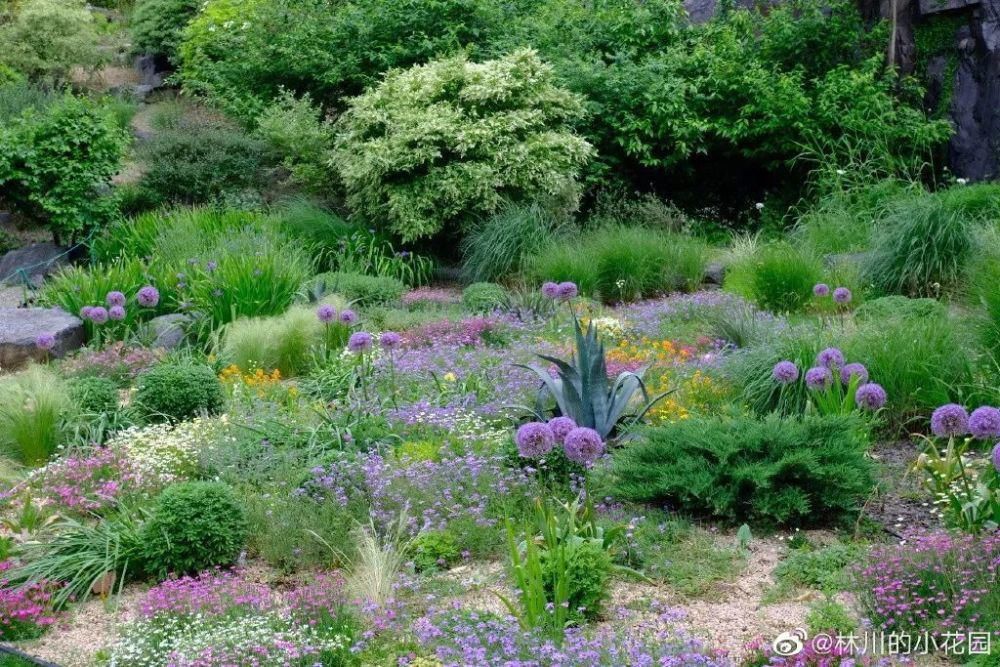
359,342
583,445
390,340
568,290
550,290
785,372
148,297
984,423
45,341
996,457
852,370
561,426
830,358
116,313
842,295
115,299
85,312
98,314
950,420
326,313
870,396
819,377
534,440
348,316
821,289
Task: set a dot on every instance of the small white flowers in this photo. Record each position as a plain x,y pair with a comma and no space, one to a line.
759,206
961,181
163,454
841,172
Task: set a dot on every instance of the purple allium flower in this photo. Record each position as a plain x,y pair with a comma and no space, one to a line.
85,312
326,313
390,340
568,290
785,372
534,440
98,315
116,313
996,457
950,420
360,341
870,396
348,316
842,295
550,290
148,297
984,423
819,377
830,358
583,445
115,299
211,265
821,289
561,426
45,341
851,370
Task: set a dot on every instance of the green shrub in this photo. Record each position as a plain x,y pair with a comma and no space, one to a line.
774,471
53,164
19,95
198,161
433,550
831,617
94,395
822,569
842,221
47,38
616,263
587,573
158,25
777,277
359,288
287,342
194,526
496,249
34,411
430,148
295,129
174,391
330,50
484,297
920,247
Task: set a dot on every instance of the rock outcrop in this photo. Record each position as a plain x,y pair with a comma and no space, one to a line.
21,327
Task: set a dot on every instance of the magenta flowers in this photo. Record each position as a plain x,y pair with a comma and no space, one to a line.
326,313
821,289
854,370
348,316
98,314
534,440
870,396
561,426
360,342
583,445
116,313
950,420
842,295
567,290
45,341
831,358
115,299
550,290
819,378
148,296
785,372
984,423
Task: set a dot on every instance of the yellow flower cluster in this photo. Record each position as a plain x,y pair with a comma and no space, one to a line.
647,350
260,382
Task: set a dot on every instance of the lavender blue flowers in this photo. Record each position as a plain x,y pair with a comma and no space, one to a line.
821,289
390,340
561,426
115,299
148,297
950,420
98,314
550,290
819,378
116,313
348,316
785,372
870,396
842,295
85,312
854,370
984,423
996,457
583,445
326,313
831,358
567,290
360,342
534,440
45,341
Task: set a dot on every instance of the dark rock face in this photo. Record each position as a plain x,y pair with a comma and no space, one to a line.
974,150
32,263
20,328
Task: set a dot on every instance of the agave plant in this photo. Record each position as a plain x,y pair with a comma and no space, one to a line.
582,390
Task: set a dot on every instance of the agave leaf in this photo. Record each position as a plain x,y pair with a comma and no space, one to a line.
555,386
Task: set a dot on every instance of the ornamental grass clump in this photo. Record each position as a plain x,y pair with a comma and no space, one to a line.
939,583
36,412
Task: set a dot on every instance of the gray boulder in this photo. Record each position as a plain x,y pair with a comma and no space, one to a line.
715,273
167,331
20,328
32,263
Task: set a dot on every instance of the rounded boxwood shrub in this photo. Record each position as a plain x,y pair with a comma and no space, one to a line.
484,297
175,391
93,395
194,526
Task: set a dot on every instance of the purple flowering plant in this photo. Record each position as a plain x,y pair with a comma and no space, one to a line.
834,385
